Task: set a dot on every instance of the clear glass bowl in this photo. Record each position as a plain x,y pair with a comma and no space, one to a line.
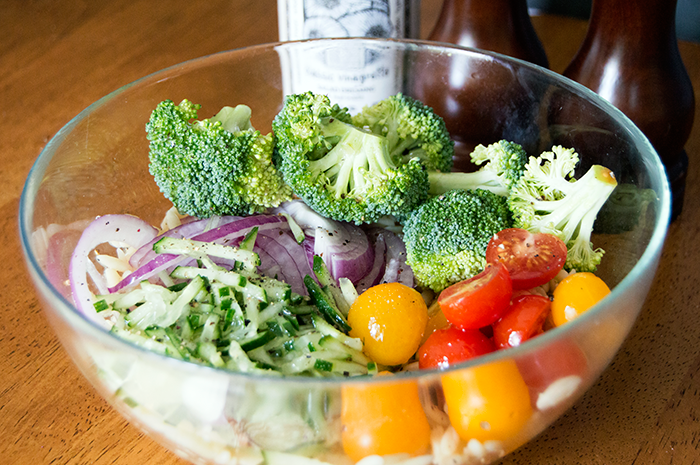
98,164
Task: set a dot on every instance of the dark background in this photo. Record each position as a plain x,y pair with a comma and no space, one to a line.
687,14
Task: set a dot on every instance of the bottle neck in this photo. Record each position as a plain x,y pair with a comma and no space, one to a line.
638,23
501,26
630,57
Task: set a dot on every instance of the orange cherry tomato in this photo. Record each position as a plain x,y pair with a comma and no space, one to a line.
383,419
451,345
488,402
390,319
478,301
523,320
576,294
532,259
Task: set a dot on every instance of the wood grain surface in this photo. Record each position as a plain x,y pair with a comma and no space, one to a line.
57,57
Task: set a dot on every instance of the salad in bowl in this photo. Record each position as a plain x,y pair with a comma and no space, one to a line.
254,273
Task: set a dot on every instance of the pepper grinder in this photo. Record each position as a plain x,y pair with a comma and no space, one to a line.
501,26
630,57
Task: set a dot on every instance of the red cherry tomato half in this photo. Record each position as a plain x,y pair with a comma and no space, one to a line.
562,359
531,259
478,301
523,320
451,345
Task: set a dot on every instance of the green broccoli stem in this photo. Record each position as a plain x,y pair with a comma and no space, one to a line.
340,167
357,153
481,179
576,212
234,119
398,148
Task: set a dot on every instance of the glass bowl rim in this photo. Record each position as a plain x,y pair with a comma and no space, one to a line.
76,319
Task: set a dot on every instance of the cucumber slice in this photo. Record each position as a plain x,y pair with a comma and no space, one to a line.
257,341
198,249
327,307
329,285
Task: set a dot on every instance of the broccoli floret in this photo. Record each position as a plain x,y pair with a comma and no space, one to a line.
503,164
446,237
342,171
412,129
548,199
216,166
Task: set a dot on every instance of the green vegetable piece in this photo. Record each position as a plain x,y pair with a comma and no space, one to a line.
297,231
323,365
216,166
248,240
194,320
258,341
548,199
502,165
328,309
329,285
412,130
201,250
210,353
177,287
341,170
372,368
100,306
446,237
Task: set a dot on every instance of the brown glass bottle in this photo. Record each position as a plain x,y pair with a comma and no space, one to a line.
630,57
501,26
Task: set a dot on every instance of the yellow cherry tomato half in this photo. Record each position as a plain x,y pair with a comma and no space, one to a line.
487,403
390,319
383,419
436,320
576,294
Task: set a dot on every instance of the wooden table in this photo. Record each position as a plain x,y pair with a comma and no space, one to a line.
58,57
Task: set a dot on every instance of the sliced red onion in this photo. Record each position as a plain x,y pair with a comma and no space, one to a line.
297,252
396,269
229,234
268,265
375,273
309,244
285,265
59,250
108,228
345,250
344,247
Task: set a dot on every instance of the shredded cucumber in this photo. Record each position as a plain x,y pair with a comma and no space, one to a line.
239,320
197,249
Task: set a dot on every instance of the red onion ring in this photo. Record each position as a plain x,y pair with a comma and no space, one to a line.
372,278
108,228
396,269
344,247
286,257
